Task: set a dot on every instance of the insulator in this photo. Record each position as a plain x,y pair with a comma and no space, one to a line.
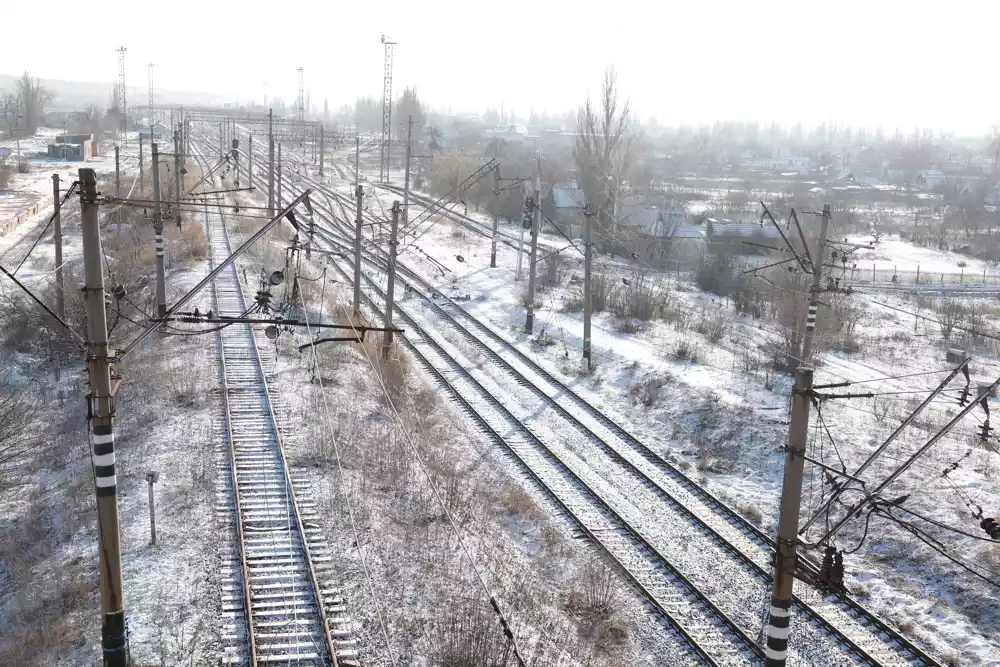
991,527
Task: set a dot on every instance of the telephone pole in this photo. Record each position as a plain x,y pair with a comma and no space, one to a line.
358,193
406,178
57,237
236,160
391,284
588,253
357,161
101,406
161,288
776,650
536,224
270,163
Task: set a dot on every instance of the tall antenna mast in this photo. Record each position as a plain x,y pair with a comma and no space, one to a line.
302,104
150,66
383,168
121,94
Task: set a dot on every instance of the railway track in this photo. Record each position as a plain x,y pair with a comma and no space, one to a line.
278,604
851,633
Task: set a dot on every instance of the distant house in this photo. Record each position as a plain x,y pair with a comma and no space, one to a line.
798,163
717,229
855,176
564,206
930,179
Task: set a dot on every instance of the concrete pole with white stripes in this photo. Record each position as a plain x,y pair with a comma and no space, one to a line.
161,285
102,408
817,286
776,649
58,237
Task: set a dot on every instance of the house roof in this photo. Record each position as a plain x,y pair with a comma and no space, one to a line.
568,197
724,227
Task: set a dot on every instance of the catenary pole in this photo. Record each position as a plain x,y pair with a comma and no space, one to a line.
588,255
57,237
776,650
278,177
529,321
142,171
322,151
496,217
177,175
358,193
391,282
161,287
270,163
101,405
406,177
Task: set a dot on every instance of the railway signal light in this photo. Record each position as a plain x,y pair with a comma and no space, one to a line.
529,207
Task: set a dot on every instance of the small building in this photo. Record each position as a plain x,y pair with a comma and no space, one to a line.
930,179
564,205
73,138
72,152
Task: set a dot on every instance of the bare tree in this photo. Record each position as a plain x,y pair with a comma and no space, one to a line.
34,97
604,149
409,105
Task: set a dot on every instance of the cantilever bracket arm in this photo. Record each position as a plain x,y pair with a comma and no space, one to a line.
216,271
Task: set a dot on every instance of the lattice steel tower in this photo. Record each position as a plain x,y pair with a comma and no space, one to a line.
383,167
123,108
302,97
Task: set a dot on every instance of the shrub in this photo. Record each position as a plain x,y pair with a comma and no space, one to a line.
686,351
601,285
713,326
637,297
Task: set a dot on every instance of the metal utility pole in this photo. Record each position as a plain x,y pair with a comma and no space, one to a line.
101,405
222,141
383,168
588,252
391,283
406,178
278,200
142,173
57,237
816,286
177,176
161,288
357,161
776,650
122,107
118,172
536,224
250,160
358,193
270,163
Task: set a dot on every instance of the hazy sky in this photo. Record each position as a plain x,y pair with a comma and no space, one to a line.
877,62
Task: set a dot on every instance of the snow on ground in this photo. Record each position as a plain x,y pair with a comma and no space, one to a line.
725,414
892,252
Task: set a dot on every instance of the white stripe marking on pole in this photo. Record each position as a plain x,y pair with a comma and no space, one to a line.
104,438
777,633
105,482
779,611
771,654
104,459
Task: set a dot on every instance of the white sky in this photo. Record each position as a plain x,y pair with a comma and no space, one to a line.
892,63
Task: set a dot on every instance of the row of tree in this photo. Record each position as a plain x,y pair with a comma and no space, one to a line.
21,109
